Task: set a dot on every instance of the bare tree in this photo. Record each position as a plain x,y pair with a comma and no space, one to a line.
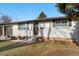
5,19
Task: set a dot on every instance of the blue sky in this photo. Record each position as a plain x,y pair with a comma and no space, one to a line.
28,11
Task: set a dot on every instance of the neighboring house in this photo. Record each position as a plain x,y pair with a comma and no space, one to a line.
56,27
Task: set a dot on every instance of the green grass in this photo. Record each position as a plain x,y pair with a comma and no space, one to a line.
38,49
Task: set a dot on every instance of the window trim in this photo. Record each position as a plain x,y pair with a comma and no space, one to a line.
22,26
60,23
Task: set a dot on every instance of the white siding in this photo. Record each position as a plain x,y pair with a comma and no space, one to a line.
63,32
17,32
30,31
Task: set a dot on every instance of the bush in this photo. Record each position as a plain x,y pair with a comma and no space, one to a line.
13,38
22,37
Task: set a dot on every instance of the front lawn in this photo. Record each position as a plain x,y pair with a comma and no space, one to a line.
5,43
37,49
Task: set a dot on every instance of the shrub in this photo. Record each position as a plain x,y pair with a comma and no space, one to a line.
13,38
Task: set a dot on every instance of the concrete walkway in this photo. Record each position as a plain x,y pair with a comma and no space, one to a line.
4,38
19,43
30,40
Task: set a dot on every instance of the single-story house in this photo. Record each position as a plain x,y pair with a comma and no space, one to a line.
55,27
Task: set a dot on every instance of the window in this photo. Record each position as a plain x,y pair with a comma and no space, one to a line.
60,23
22,26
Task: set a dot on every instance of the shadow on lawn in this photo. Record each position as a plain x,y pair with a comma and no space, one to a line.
15,45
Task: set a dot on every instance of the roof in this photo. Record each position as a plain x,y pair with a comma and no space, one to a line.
35,20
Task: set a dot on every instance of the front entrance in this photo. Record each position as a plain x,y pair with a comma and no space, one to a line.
8,30
1,31
35,29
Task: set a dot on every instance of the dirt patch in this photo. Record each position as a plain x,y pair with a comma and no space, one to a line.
65,42
64,52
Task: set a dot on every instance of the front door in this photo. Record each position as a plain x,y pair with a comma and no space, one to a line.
8,30
1,31
35,29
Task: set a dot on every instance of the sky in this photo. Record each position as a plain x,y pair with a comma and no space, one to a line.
28,11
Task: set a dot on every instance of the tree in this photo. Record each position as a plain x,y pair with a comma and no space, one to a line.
5,19
41,16
69,9
72,11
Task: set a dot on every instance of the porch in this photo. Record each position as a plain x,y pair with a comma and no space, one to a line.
5,32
